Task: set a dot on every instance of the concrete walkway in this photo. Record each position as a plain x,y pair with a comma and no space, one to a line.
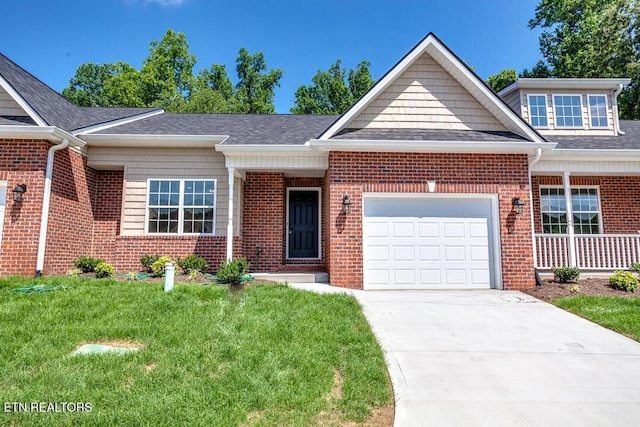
499,358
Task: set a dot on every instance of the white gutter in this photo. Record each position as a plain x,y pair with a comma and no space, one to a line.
149,140
616,119
532,162
50,133
46,199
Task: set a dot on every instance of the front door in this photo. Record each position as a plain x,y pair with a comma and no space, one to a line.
303,224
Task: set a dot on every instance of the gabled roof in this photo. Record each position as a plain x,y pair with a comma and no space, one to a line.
466,77
245,129
47,107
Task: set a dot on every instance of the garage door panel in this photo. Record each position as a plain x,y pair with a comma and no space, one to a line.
426,252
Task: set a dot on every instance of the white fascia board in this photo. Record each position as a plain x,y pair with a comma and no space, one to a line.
554,83
113,123
592,155
50,133
150,141
430,146
263,149
22,103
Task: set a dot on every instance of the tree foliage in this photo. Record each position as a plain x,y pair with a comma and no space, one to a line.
166,79
500,80
334,90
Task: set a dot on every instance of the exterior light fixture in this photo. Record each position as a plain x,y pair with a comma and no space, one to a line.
18,191
517,205
346,205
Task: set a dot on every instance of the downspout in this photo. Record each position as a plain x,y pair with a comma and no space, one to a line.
46,199
616,119
533,234
230,216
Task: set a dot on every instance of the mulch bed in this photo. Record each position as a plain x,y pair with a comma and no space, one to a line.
592,286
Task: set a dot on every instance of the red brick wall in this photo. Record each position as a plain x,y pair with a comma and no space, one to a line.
355,173
69,231
619,200
107,213
22,162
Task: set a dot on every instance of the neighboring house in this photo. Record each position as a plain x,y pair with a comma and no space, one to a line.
430,180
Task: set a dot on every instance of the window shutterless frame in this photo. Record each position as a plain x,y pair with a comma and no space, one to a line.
181,206
567,112
598,111
540,119
577,210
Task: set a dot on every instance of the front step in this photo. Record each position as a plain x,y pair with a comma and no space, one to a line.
311,277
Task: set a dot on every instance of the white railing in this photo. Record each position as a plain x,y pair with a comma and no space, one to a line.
592,252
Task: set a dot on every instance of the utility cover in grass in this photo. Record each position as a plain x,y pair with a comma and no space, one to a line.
103,349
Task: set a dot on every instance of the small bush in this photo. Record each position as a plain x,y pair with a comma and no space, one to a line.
636,266
74,272
192,263
132,275
192,275
232,273
104,270
624,281
147,261
86,264
157,268
566,274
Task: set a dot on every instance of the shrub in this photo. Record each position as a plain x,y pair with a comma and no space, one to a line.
86,264
232,272
624,281
132,275
192,263
104,270
74,272
147,261
566,274
636,266
157,268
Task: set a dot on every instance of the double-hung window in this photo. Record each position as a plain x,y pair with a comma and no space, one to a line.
598,111
568,111
538,110
584,204
181,206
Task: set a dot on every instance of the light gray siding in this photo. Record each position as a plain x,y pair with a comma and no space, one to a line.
9,107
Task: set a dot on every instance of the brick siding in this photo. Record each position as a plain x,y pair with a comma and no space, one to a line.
357,173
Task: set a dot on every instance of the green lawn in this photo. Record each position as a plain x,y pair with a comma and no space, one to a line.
266,356
620,314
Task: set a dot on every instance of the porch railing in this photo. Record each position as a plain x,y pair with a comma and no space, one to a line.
592,252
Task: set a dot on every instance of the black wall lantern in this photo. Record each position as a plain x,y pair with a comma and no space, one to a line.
346,205
517,205
18,191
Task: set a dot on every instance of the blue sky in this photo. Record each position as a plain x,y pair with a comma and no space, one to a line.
50,38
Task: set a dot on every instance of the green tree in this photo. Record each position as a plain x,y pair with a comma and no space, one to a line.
255,87
86,88
333,91
500,80
540,70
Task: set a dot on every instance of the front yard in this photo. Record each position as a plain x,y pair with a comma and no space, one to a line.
268,355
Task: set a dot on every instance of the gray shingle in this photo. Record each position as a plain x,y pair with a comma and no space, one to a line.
428,135
629,141
270,129
16,120
54,109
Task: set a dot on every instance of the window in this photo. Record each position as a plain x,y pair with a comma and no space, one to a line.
181,206
585,206
598,111
538,110
568,110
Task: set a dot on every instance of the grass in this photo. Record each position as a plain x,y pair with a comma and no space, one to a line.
266,356
620,314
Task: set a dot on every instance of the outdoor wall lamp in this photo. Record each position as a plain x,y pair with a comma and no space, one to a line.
346,205
517,205
18,191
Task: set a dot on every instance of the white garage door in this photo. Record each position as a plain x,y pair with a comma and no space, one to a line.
420,244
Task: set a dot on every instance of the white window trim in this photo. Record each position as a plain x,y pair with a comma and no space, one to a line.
546,105
555,110
606,110
599,211
180,207
319,191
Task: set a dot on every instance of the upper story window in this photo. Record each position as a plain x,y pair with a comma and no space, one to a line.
538,110
178,206
568,111
598,111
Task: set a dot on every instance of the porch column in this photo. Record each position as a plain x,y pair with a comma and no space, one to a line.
567,200
230,216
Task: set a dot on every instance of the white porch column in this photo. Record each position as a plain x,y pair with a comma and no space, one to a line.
230,222
567,200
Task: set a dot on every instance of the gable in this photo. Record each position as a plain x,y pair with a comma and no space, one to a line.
426,96
8,106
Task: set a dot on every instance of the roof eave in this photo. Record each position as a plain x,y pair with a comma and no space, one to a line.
113,123
152,141
593,154
571,83
50,133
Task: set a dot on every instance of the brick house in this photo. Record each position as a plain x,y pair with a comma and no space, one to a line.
430,180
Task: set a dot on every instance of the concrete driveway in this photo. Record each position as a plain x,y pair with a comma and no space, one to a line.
500,358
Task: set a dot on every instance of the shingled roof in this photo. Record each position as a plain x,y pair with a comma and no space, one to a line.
52,107
428,135
629,141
